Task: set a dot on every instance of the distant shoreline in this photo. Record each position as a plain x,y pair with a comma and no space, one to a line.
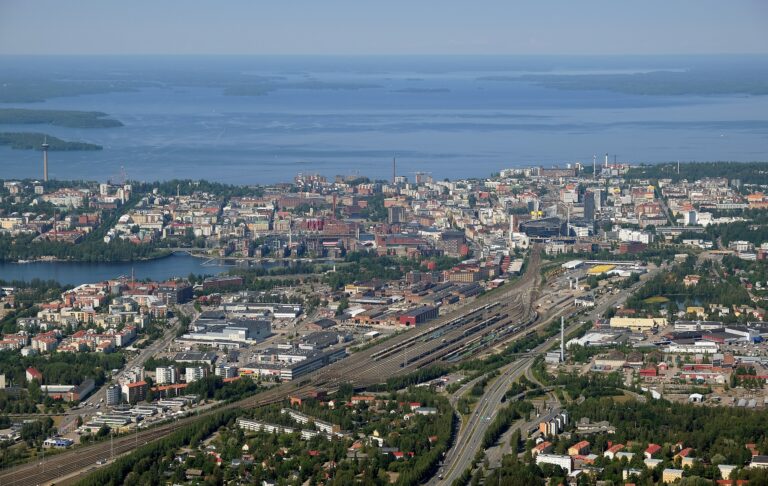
62,260
34,141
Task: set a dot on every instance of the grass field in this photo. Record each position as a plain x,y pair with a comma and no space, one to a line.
658,299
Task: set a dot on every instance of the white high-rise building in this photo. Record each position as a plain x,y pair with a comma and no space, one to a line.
195,373
114,394
166,375
226,371
691,218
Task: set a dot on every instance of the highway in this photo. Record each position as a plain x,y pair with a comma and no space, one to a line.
470,436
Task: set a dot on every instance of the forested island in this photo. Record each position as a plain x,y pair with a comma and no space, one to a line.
34,141
62,118
743,75
262,89
30,88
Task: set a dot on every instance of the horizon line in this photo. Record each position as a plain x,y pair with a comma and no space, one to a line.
200,54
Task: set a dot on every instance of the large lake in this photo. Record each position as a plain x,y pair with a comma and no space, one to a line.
70,273
451,116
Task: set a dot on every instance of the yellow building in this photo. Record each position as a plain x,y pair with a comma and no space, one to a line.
699,311
671,475
638,323
600,269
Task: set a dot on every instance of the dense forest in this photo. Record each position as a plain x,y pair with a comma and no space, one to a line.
747,172
61,368
754,231
713,288
717,434
90,250
186,187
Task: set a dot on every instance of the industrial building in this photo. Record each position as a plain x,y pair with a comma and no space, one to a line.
418,315
232,333
288,363
248,310
637,323
69,393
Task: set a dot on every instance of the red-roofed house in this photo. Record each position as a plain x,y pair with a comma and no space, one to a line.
648,372
542,448
358,399
684,453
34,374
651,450
579,449
610,453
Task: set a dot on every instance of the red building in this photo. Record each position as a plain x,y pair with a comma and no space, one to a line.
418,315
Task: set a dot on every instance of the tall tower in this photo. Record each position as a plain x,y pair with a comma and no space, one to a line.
606,160
562,338
594,166
45,159
394,169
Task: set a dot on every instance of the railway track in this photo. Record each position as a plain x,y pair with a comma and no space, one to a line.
512,307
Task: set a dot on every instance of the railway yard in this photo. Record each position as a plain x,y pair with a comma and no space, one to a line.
487,322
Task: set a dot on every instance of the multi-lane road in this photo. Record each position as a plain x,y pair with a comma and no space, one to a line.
470,436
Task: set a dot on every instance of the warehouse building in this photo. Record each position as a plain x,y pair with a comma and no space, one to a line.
418,315
289,363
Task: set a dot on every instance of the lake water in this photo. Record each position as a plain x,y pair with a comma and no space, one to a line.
71,273
453,117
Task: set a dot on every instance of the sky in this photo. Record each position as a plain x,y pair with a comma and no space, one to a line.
364,27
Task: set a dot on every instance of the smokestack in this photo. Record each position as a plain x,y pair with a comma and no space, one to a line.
562,338
394,169
606,159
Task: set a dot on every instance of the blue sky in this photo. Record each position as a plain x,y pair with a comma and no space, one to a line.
383,27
